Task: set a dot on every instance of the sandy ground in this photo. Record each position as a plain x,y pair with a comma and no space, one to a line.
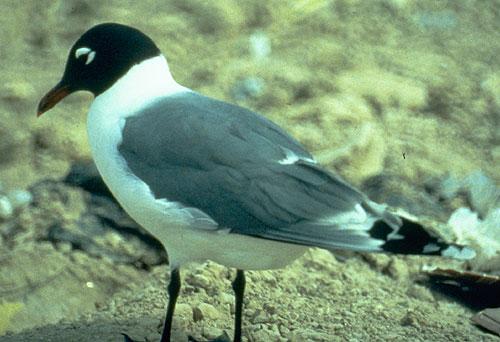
399,89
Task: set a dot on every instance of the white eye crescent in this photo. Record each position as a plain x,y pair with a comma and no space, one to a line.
85,51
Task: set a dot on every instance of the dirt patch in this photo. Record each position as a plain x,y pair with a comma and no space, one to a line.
384,92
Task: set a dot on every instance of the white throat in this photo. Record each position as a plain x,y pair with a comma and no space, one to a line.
141,85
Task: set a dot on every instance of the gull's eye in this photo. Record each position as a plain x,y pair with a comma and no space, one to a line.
85,51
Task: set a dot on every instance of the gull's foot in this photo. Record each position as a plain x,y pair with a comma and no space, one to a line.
222,338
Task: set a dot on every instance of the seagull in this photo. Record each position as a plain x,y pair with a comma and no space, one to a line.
212,180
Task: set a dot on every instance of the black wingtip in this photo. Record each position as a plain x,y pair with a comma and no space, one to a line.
413,238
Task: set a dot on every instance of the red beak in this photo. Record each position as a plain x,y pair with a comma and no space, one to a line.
50,99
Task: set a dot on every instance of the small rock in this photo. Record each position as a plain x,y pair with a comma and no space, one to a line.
205,311
267,334
481,234
184,310
212,333
260,46
283,330
397,269
226,298
410,319
307,335
483,193
449,187
250,87
20,198
469,230
319,259
260,317
199,280
464,223
379,262
421,293
6,208
64,247
437,20
490,233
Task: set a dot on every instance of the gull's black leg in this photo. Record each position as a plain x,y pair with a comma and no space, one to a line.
173,293
239,290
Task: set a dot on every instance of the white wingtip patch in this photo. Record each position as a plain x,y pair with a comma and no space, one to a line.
463,253
430,248
292,158
356,219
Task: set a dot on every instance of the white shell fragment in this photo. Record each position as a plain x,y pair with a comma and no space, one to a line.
20,198
483,192
260,45
6,208
484,234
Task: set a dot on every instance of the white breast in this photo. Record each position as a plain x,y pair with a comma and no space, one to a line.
172,224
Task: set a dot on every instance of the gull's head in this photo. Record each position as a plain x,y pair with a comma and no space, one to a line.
100,57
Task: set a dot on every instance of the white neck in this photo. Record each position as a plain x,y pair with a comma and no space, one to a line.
142,84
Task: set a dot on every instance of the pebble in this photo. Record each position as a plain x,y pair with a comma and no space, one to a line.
397,269
184,310
307,335
64,247
449,187
249,87
261,317
13,200
437,20
212,333
483,234
267,334
410,319
226,298
260,45
463,221
205,311
490,229
421,293
20,198
199,280
6,208
483,193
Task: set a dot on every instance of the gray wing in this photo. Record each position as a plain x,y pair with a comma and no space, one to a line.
246,173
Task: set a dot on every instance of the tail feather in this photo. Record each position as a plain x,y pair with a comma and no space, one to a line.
366,227
413,238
